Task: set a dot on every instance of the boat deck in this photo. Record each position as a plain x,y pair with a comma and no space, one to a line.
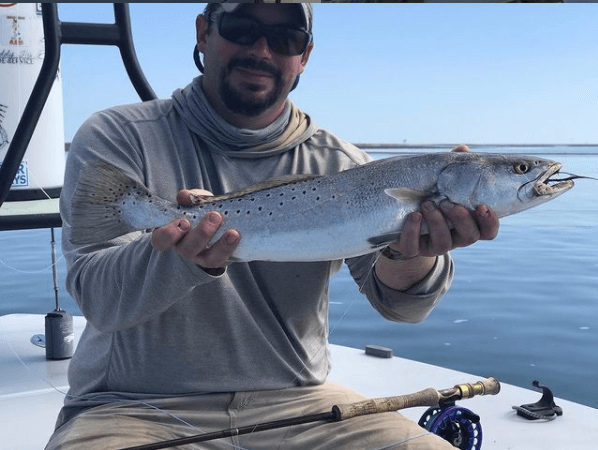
31,386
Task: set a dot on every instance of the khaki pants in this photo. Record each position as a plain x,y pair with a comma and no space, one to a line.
126,424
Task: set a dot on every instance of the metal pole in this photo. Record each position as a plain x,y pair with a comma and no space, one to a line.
54,270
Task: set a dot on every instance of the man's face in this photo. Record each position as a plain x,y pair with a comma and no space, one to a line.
252,79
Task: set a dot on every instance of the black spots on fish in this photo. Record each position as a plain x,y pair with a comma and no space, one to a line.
188,213
273,201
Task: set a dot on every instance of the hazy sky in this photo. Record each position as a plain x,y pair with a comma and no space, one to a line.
423,73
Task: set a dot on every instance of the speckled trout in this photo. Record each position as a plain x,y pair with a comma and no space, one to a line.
319,218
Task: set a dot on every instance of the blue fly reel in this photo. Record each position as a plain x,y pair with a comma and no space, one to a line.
454,424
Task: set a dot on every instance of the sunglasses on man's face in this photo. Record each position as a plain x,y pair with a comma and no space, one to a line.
282,39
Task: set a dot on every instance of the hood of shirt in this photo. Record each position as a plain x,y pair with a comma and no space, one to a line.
290,129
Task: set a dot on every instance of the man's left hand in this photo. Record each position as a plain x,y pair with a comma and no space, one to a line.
467,227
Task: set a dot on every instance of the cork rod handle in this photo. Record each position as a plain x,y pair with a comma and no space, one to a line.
426,397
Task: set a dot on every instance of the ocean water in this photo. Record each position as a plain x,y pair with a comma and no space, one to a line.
522,307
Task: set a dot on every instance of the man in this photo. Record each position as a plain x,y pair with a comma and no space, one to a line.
178,341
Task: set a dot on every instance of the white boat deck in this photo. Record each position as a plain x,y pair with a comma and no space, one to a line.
30,396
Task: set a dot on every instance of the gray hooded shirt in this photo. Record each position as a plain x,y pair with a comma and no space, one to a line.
160,325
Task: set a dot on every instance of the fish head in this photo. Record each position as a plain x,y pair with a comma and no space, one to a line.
506,183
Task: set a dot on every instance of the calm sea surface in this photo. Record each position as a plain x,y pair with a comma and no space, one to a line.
522,307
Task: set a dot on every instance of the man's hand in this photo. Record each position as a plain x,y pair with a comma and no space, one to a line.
450,226
193,243
467,229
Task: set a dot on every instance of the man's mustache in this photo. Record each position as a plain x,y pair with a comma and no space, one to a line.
253,64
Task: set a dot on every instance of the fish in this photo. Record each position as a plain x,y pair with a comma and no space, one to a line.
320,218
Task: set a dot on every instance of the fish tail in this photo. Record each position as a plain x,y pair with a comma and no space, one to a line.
101,195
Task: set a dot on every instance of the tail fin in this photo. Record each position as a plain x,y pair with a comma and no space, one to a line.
97,205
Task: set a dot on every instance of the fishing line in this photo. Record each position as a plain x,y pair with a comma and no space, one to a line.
32,175
107,398
338,322
31,272
571,176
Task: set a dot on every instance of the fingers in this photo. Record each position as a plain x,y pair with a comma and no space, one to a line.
193,244
466,230
408,243
487,221
461,149
439,239
167,237
451,226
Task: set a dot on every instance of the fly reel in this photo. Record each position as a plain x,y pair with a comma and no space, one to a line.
454,424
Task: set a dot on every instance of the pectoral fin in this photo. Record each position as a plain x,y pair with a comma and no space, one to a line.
406,195
384,239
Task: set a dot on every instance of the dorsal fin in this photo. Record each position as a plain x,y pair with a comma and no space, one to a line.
268,184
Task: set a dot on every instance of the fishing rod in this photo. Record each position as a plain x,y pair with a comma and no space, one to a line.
427,397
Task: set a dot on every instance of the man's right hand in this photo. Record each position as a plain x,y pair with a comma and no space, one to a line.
193,244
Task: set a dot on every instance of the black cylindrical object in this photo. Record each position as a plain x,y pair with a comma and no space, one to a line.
60,337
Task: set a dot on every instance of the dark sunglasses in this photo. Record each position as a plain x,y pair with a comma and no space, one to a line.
282,39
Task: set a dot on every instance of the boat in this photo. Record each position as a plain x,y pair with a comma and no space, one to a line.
32,387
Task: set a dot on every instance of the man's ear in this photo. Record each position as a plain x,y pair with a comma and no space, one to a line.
201,27
305,56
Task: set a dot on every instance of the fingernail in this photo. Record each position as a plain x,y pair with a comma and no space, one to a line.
483,210
214,218
184,225
232,238
428,206
415,218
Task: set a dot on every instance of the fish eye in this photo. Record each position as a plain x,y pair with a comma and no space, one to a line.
521,167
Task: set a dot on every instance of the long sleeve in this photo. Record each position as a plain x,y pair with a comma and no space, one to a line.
158,324
123,282
412,305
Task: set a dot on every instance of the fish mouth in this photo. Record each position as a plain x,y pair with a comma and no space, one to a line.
550,183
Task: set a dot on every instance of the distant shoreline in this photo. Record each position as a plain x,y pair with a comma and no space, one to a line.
366,145
370,145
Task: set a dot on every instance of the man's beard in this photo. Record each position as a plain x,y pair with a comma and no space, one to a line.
241,103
